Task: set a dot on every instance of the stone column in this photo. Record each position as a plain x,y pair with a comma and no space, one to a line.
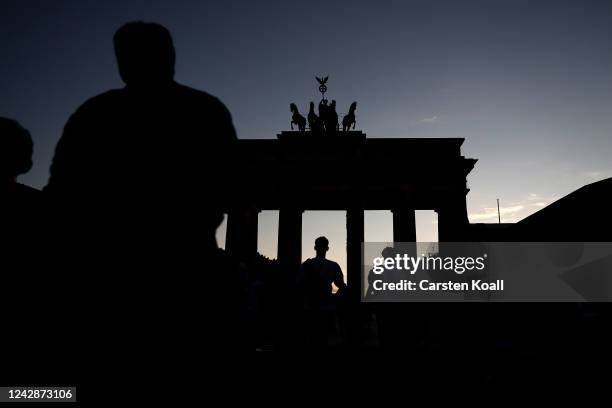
404,225
354,240
404,229
290,238
241,233
452,219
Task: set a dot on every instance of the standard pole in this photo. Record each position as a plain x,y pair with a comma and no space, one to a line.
498,213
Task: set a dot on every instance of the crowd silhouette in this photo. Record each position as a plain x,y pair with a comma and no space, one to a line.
125,227
120,245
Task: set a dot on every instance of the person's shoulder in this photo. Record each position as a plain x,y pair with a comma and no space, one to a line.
197,93
331,263
337,268
199,96
109,96
102,101
307,262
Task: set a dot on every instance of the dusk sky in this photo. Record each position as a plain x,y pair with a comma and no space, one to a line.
528,84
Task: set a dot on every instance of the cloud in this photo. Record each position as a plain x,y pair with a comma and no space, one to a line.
536,200
514,210
596,174
433,119
490,213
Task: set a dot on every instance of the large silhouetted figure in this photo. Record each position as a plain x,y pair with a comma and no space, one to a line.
153,137
139,181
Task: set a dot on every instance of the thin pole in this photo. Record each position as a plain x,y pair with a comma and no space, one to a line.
498,213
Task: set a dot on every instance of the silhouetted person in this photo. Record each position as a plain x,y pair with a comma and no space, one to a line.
371,294
19,205
139,180
316,278
16,149
21,260
153,135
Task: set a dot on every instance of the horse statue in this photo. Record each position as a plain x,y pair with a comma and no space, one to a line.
296,118
313,120
349,118
331,118
323,110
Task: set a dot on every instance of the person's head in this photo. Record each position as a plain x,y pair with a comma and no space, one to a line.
145,53
321,246
15,150
388,252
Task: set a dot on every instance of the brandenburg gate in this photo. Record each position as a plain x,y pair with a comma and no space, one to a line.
347,171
